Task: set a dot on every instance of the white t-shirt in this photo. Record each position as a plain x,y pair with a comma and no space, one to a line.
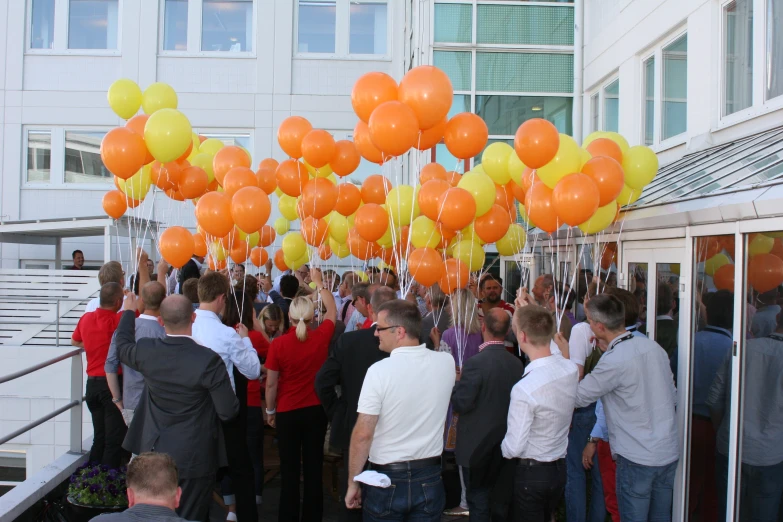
579,344
410,393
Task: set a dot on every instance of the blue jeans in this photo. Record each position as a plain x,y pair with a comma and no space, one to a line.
478,499
576,482
413,495
644,493
761,488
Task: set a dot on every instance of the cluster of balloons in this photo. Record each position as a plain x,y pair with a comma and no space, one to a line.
765,260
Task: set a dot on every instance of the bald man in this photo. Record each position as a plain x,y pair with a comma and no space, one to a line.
187,394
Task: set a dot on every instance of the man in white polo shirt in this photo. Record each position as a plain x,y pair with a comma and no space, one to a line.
402,411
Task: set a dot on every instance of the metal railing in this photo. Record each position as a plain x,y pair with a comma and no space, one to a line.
40,300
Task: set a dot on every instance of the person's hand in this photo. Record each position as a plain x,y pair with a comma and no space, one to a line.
268,267
142,256
270,419
163,266
473,286
266,284
241,330
119,406
459,373
353,497
317,277
587,455
523,298
561,343
130,302
435,336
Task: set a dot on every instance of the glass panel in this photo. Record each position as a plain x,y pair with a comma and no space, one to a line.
453,23
738,56
594,112
83,162
175,25
317,26
92,24
368,28
42,24
456,65
675,88
227,25
240,140
525,25
637,285
649,100
513,278
522,72
713,322
504,114
39,156
449,162
666,307
612,106
774,54
460,104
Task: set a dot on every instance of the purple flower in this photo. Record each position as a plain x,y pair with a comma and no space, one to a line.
104,467
112,475
73,479
112,489
95,488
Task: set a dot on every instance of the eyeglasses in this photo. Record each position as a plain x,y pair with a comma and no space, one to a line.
377,329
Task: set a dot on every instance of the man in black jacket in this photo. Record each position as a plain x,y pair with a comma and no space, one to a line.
190,270
481,398
187,394
346,367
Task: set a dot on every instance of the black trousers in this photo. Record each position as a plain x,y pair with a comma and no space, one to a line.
108,427
196,498
301,436
538,491
255,445
240,467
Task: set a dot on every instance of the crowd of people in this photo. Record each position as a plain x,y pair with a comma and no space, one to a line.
528,399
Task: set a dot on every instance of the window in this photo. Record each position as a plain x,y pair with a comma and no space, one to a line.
240,140
453,23
227,25
42,24
93,24
504,114
675,87
612,106
594,108
367,22
175,25
774,51
522,72
457,65
83,162
649,100
524,24
39,156
737,56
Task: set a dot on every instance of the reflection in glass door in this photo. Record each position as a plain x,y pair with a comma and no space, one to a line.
637,285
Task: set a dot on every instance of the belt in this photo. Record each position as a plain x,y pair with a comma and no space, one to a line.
702,417
534,462
407,465
96,378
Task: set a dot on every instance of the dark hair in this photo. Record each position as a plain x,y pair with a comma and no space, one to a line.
289,285
211,286
239,309
489,277
497,322
176,311
630,303
607,310
360,290
250,286
153,293
110,294
153,475
665,299
240,265
402,313
536,322
73,254
190,289
720,309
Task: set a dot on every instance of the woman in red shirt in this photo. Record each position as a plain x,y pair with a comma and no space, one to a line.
293,407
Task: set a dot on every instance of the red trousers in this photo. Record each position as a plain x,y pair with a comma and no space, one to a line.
702,490
608,471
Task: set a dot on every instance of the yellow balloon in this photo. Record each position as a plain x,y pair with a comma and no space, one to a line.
674,269
362,275
584,157
137,186
424,233
278,192
167,134
628,195
773,234
158,96
565,162
301,260
468,233
619,140
294,246
281,226
211,146
640,165
204,161
341,250
331,177
323,172
287,207
714,263
124,97
194,150
217,251
250,239
338,226
469,253
479,169
495,161
352,219
482,188
401,203
514,240
592,137
515,168
602,218
387,239
761,244
523,215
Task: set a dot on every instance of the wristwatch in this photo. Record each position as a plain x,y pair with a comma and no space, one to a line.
117,401
592,439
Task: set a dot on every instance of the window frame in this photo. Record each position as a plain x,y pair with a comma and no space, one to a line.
599,91
61,30
342,36
26,147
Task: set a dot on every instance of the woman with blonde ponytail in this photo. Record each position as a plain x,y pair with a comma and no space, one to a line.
293,407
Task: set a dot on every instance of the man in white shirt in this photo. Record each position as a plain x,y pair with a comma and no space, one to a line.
539,416
402,410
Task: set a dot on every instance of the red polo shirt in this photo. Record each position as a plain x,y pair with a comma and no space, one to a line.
261,345
298,362
95,330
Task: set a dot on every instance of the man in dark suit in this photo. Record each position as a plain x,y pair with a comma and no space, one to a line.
190,270
187,394
346,367
481,398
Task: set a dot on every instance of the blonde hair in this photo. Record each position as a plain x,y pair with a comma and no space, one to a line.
301,311
464,311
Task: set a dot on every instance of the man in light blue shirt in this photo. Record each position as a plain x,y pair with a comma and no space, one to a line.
766,319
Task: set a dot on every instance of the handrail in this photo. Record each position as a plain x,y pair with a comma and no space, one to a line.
35,423
23,298
39,366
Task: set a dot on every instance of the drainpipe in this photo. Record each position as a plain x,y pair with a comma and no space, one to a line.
577,113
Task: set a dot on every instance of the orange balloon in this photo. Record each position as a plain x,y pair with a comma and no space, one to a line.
132,203
216,265
123,152
403,246
727,242
290,134
229,240
280,261
291,177
193,182
432,171
318,148
226,159
608,176
446,235
493,225
175,194
765,272
455,276
114,204
265,175
259,256
364,144
723,278
539,208
393,128
519,192
136,124
319,196
325,251
250,208
371,222
213,214
371,90
240,252
536,142
176,246
603,147
314,231
187,152
428,91
529,177
457,208
213,186
777,248
199,245
358,247
608,256
504,197
425,266
706,247
432,136
349,197
466,135
453,178
346,158
575,198
430,195
266,235
165,176
375,189
238,178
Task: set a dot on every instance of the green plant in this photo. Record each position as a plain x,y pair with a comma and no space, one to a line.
98,486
